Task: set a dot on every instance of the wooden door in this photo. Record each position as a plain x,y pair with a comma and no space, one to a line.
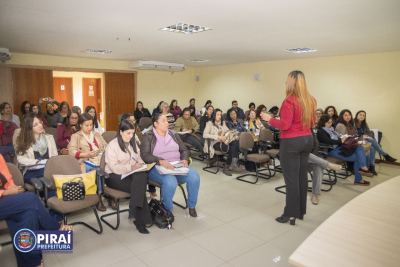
91,94
120,94
63,90
30,85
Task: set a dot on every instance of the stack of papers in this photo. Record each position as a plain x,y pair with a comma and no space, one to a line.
177,171
145,167
182,133
39,165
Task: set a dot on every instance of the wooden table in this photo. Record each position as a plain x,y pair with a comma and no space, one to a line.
364,232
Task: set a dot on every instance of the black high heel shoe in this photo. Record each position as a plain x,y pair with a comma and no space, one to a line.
284,219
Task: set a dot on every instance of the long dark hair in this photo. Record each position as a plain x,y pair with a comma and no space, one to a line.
205,113
26,136
67,123
159,104
23,106
363,124
171,107
3,107
207,102
259,109
215,115
137,103
194,110
31,107
64,103
349,125
334,110
124,126
273,109
322,120
87,109
82,118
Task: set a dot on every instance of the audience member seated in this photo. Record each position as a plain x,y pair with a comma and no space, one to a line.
162,147
214,128
158,109
254,126
76,110
6,114
239,111
24,211
35,109
232,121
50,112
360,122
138,137
345,123
252,106
318,113
203,110
274,112
123,156
175,109
192,111
187,123
260,109
7,129
96,124
85,145
327,135
65,131
141,112
331,111
192,103
207,116
61,116
170,117
25,106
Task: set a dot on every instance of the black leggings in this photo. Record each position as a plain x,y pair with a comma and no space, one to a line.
135,184
233,151
190,139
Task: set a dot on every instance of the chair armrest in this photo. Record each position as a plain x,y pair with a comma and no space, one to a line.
104,174
37,184
265,141
245,151
47,184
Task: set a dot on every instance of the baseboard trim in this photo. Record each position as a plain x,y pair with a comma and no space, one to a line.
387,162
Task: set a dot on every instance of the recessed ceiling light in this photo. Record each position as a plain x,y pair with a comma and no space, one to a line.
198,60
97,51
301,50
185,28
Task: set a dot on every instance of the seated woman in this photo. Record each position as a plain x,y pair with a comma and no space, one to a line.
123,156
213,130
187,123
96,124
260,109
203,110
254,126
162,146
25,106
205,118
158,109
331,111
76,110
319,113
6,114
7,129
360,122
170,117
86,145
65,131
327,135
24,211
274,112
61,116
141,112
252,106
233,123
33,146
35,109
175,109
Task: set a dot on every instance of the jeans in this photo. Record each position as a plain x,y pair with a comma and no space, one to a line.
99,188
358,157
374,147
4,151
25,210
317,165
170,182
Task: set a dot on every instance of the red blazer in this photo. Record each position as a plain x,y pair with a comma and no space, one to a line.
62,136
6,173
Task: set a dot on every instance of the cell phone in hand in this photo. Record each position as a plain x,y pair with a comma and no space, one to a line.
178,165
101,150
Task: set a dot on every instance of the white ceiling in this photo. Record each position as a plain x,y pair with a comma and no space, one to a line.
243,31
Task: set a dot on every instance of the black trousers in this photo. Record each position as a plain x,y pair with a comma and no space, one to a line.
233,151
190,139
294,154
135,184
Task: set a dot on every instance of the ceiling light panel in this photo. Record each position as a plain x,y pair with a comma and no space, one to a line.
301,50
97,51
185,28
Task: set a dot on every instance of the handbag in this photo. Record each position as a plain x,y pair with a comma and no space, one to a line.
73,190
89,181
230,136
351,142
162,217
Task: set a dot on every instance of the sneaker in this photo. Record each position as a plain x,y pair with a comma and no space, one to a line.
363,182
365,173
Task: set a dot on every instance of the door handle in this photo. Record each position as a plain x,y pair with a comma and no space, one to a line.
108,107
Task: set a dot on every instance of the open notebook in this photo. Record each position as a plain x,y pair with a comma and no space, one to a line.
177,171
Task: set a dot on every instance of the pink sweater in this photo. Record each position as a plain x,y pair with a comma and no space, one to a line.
166,148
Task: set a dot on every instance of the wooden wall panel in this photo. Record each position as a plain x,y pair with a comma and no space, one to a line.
31,84
6,93
63,95
119,97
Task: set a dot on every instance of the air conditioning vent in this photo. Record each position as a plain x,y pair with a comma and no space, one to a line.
4,55
156,65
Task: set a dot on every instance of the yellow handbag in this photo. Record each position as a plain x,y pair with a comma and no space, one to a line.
89,180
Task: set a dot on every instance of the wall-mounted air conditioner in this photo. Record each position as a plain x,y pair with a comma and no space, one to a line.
156,65
4,55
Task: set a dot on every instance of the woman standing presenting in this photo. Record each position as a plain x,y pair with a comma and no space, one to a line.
297,116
